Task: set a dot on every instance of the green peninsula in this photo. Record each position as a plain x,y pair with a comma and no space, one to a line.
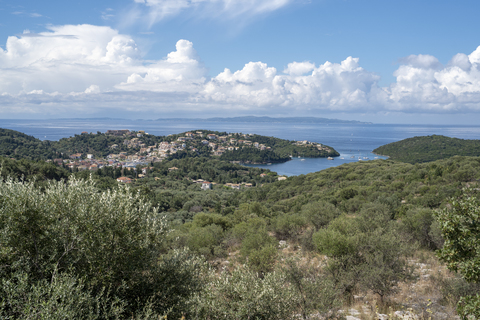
429,148
141,146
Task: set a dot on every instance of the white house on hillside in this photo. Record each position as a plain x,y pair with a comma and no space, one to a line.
206,185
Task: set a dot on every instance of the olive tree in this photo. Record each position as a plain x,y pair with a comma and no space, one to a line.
365,252
460,225
242,294
110,240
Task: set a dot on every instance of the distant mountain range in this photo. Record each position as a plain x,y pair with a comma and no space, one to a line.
272,119
284,120
241,119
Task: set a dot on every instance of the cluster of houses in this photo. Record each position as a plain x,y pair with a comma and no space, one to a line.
90,163
318,145
220,144
76,161
190,141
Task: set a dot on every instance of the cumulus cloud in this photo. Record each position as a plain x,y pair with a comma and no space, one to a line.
161,9
425,84
90,67
424,61
93,89
180,71
299,68
66,58
78,58
331,86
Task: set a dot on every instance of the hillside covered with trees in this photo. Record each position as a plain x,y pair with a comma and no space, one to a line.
429,148
247,148
162,246
17,145
360,236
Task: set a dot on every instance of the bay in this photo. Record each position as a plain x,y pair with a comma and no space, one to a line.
351,140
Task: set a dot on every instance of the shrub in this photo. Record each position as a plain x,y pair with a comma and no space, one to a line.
288,225
461,251
319,213
113,241
243,295
365,252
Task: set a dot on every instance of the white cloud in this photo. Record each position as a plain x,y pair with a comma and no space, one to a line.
425,84
93,89
331,86
299,68
66,58
424,61
460,60
180,71
72,58
161,9
87,67
32,15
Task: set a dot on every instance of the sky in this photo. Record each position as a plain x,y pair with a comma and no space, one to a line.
368,60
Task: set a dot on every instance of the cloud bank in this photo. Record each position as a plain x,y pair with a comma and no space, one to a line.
86,69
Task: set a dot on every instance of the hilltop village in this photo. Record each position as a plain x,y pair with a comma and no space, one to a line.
131,149
133,154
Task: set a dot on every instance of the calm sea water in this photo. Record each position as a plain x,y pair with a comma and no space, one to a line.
350,140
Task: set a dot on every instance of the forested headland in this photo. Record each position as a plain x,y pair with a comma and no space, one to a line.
237,147
429,148
366,239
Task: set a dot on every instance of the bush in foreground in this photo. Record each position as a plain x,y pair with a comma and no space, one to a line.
106,248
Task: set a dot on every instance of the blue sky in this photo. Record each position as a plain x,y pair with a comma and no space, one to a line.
382,61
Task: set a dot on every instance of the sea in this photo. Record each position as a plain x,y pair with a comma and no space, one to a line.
354,141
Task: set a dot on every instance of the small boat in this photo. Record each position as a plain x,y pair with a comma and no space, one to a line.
299,157
342,158
302,159
352,157
329,158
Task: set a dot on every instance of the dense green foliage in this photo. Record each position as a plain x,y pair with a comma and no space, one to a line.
141,251
97,144
17,145
212,170
31,170
403,187
365,216
366,251
108,244
286,148
253,155
461,229
241,294
429,148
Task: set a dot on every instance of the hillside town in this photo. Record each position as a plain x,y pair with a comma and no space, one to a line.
135,158
140,154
